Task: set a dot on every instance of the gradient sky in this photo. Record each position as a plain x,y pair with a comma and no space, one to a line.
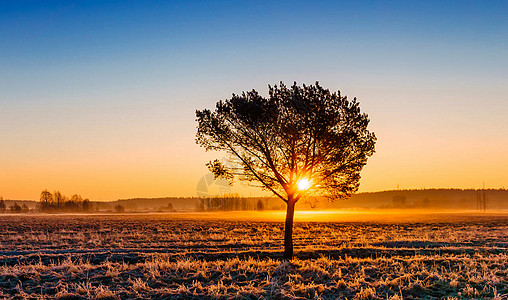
98,97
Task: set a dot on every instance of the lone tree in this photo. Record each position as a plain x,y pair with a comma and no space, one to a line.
300,140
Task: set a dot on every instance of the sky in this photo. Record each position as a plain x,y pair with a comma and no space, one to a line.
98,98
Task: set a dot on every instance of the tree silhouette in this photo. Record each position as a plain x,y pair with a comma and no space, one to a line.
58,202
46,200
59,199
119,208
15,208
300,140
86,205
2,205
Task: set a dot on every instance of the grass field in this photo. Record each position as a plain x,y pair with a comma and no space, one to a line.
353,255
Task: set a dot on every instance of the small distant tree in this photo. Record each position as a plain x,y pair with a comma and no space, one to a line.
2,205
76,198
59,199
399,201
170,206
300,140
119,208
24,208
86,206
15,208
74,203
46,200
260,205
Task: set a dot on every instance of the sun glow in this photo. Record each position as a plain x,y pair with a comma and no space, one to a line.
303,184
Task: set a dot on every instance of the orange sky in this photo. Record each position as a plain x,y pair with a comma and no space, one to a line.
147,151
103,104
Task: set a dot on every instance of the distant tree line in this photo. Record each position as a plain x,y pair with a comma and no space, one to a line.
230,203
502,189
57,202
14,208
400,201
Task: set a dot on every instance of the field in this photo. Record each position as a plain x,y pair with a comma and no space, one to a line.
238,255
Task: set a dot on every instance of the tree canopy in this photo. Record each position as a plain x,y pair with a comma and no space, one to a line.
296,133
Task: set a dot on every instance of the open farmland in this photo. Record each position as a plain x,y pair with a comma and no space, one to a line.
338,255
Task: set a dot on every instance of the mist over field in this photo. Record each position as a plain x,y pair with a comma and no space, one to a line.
430,199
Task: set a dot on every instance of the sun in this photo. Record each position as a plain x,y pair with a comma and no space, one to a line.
303,184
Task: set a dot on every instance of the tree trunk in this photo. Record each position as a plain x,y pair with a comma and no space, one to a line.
288,230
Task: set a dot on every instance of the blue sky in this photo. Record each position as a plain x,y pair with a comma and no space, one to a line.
103,91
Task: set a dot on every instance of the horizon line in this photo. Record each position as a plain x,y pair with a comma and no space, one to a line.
273,196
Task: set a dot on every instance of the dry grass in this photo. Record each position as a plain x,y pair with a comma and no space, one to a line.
454,256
